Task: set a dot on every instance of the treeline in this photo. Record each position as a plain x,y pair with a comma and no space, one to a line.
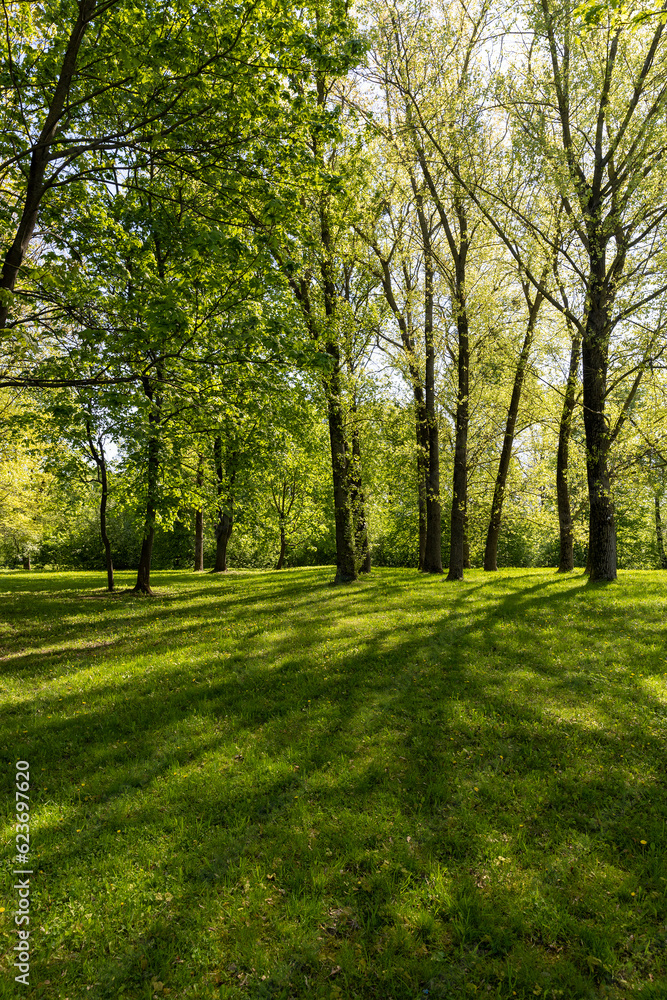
388,289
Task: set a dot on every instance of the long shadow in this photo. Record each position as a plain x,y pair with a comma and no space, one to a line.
434,694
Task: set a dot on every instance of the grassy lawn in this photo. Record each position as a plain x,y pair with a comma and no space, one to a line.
263,786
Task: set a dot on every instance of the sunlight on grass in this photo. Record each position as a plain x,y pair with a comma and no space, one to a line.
262,786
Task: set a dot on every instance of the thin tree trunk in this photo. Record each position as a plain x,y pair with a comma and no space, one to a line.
433,544
460,486
566,558
602,533
422,472
493,533
659,534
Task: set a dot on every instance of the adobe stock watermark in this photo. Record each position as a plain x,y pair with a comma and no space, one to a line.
22,873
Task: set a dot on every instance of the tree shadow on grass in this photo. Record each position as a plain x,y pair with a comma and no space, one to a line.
318,801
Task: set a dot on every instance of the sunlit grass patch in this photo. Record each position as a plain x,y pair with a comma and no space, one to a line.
262,786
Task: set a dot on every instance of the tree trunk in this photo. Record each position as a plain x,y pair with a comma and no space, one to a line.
40,159
460,490
566,558
433,545
422,472
223,532
602,534
283,547
26,562
346,562
493,533
659,534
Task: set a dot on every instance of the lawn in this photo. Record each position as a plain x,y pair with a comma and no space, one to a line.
262,786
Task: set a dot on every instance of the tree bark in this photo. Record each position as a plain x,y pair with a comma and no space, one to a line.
433,542
460,486
566,557
283,547
26,562
346,563
659,534
422,473
223,532
493,533
595,349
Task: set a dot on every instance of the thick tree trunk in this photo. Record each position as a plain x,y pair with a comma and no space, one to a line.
283,548
659,534
493,533
26,562
223,532
346,562
433,546
602,534
566,558
460,486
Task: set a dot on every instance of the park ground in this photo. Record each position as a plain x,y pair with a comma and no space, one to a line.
260,786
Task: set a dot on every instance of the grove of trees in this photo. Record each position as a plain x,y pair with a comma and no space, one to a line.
296,283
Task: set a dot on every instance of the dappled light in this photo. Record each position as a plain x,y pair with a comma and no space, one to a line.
268,787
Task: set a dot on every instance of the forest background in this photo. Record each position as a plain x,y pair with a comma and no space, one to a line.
304,284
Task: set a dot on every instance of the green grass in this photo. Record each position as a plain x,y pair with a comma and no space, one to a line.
262,786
